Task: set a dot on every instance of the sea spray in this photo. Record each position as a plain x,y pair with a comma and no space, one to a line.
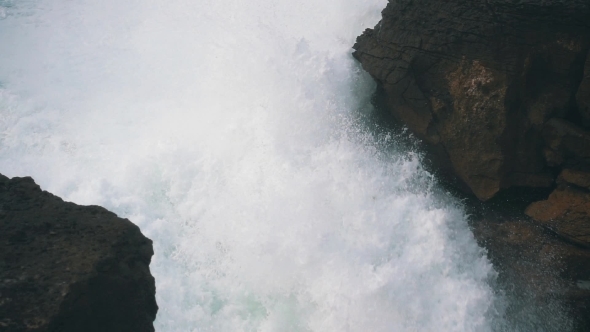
229,132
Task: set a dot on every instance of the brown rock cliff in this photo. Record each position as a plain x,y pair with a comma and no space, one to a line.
499,91
478,80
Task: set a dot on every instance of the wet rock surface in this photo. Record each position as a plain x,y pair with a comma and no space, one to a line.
546,278
479,80
567,212
65,267
498,91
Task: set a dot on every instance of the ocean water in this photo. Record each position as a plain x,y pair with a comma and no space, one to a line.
234,134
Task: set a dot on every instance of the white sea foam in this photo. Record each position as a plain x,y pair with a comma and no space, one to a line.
226,130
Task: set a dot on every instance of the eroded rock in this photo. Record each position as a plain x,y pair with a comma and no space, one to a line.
566,142
499,91
480,79
567,212
575,177
70,268
538,268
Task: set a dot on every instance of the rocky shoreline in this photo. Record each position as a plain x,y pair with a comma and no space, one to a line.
70,268
498,91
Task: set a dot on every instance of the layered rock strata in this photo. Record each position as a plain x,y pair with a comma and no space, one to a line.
70,268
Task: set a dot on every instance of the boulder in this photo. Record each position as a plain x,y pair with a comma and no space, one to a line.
575,177
70,268
567,212
479,80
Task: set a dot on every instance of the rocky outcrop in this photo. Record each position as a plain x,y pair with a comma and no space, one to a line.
566,211
566,145
70,268
480,80
537,268
499,92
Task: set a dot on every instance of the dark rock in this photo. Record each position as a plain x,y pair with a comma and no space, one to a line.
70,268
499,92
583,96
479,80
575,177
566,143
567,212
541,270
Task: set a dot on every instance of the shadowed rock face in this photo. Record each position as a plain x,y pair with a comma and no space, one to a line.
583,96
499,90
542,274
478,80
70,268
567,212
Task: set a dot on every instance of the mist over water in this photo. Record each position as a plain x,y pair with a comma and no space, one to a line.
231,132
